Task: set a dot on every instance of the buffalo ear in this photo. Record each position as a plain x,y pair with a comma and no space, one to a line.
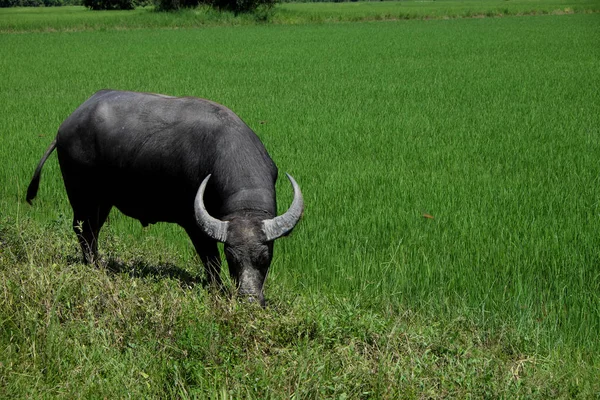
283,224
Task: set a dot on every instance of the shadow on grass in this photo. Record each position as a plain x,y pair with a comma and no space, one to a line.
142,269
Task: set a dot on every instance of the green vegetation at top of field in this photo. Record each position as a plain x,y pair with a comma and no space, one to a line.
80,18
434,9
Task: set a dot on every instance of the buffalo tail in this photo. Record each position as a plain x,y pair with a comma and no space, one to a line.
35,181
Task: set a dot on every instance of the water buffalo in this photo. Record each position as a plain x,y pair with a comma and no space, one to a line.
151,156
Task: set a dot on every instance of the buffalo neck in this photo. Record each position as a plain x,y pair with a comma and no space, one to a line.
251,201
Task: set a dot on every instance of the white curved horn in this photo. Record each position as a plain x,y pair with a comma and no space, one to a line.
211,226
283,224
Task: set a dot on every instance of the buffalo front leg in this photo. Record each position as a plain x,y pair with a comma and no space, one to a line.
209,255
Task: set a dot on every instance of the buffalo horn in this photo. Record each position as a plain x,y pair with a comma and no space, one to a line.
211,226
283,224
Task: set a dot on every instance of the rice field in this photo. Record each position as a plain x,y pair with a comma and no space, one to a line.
449,246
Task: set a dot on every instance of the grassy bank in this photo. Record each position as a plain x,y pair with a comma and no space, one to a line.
487,125
80,18
142,328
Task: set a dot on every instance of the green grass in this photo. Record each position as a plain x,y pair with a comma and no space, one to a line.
489,125
80,18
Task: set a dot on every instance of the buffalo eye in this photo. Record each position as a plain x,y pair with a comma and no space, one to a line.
263,257
232,253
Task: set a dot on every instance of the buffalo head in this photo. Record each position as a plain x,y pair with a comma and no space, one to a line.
248,239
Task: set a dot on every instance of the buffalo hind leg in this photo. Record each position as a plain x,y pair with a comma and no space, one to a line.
89,214
209,255
87,225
